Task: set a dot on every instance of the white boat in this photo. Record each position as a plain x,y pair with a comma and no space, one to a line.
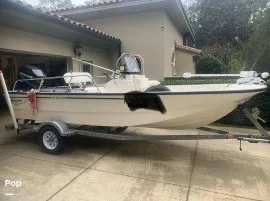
131,99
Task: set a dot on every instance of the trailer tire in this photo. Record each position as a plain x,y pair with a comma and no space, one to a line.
50,140
157,88
116,130
108,129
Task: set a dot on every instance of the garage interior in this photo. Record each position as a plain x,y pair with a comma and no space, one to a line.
31,37
10,63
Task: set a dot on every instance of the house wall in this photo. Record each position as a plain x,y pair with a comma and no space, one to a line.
184,63
171,36
26,42
14,39
99,57
140,33
143,33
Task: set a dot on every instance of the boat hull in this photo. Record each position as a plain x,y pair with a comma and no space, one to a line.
185,109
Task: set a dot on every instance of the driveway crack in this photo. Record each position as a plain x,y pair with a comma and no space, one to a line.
192,169
89,167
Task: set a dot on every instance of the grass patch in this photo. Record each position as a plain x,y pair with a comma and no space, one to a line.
183,81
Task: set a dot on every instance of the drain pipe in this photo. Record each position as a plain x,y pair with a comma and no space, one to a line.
6,95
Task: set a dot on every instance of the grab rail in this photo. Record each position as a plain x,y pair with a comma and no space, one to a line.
52,78
97,66
79,60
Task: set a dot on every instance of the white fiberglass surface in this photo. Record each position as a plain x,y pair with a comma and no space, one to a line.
215,87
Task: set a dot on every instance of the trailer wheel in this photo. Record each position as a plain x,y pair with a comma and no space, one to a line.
116,130
50,140
157,88
108,129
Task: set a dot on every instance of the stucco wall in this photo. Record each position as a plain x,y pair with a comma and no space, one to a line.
171,36
26,42
140,33
183,60
184,63
14,39
98,57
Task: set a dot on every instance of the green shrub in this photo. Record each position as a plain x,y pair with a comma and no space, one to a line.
192,81
235,66
210,65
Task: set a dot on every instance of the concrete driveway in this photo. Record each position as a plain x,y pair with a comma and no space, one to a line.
104,170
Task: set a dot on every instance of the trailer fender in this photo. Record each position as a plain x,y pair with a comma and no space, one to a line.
61,127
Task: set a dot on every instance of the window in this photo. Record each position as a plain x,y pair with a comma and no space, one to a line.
88,68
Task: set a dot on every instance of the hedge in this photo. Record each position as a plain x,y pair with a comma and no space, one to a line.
193,81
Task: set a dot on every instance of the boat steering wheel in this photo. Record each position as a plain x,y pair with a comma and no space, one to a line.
113,75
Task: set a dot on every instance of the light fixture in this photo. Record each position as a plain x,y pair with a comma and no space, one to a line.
78,49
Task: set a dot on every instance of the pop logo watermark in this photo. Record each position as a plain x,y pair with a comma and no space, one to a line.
13,184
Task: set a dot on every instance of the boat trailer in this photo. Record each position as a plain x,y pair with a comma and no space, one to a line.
51,133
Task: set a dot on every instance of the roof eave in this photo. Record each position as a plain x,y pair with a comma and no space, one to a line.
179,9
187,49
104,7
184,15
53,18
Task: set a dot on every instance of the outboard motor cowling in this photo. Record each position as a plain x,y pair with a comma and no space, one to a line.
27,72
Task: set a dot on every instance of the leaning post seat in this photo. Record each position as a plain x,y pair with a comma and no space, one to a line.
77,77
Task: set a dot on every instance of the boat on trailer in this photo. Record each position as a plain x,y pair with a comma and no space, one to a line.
74,104
130,99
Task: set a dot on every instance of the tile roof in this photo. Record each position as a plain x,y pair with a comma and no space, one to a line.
89,5
64,20
188,49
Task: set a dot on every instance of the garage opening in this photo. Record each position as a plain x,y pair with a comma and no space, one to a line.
10,64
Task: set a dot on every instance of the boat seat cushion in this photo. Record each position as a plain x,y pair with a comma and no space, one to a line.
77,77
